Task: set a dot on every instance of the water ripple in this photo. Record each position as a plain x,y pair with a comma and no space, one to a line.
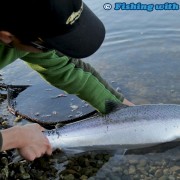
134,36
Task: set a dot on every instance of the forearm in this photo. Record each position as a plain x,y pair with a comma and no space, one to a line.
10,138
1,141
75,77
95,90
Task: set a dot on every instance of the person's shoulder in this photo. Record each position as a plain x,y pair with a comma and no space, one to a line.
51,54
9,54
5,49
1,141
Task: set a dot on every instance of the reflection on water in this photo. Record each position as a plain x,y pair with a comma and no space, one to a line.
160,162
140,53
143,166
140,56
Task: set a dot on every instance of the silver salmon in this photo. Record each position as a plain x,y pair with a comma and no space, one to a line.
127,128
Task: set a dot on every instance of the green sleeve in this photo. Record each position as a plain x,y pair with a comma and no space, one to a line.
74,77
9,55
1,141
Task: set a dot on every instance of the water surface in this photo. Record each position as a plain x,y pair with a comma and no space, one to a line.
139,57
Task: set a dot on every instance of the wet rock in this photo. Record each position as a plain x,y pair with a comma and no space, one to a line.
126,172
132,170
152,170
77,168
125,177
25,176
69,171
99,157
142,176
91,178
141,169
166,171
142,163
89,163
21,169
37,114
174,174
69,177
133,161
177,158
44,177
81,161
99,163
112,176
95,170
5,172
4,161
175,169
106,157
74,107
18,119
12,173
163,178
164,163
88,171
136,177
158,173
83,177
70,163
117,169
92,162
171,178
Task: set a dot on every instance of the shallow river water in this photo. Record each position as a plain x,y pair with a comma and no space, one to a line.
139,57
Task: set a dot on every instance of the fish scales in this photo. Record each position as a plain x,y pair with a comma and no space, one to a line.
131,127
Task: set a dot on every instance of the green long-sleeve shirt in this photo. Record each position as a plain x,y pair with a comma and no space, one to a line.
68,74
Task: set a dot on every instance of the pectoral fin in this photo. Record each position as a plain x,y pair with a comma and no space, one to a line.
113,106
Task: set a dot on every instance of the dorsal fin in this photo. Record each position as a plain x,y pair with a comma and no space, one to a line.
113,106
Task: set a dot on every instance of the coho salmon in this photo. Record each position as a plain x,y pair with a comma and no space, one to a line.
125,128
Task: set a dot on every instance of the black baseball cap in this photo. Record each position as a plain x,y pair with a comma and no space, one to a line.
68,26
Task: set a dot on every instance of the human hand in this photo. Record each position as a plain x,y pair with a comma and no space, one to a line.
32,142
128,103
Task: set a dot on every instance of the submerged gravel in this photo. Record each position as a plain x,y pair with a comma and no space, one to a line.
160,163
154,165
92,166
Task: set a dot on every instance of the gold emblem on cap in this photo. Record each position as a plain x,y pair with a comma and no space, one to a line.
74,16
